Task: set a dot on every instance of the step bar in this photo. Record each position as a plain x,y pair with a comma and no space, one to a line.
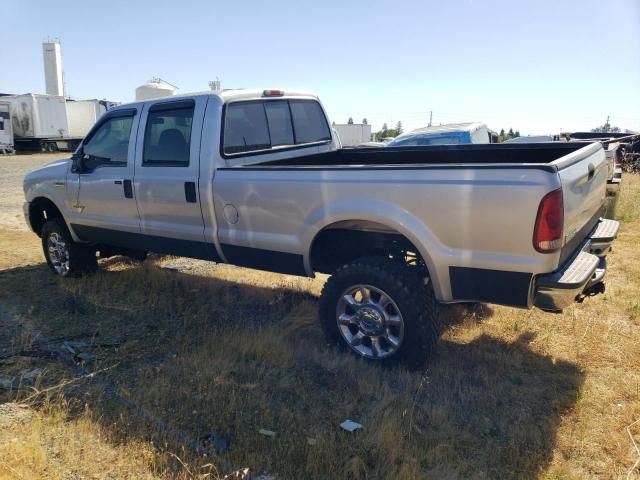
582,275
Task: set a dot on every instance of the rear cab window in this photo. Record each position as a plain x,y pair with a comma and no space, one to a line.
260,126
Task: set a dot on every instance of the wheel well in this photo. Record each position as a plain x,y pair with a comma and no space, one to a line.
40,210
343,242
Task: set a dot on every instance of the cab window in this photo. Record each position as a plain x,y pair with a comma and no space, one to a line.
254,126
309,122
246,128
109,144
167,138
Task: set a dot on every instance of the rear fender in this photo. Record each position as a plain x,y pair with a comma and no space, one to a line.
389,215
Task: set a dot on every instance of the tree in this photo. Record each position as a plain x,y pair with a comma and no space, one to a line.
385,132
398,128
364,121
606,128
508,135
350,121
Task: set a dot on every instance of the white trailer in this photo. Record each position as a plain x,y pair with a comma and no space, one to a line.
40,123
6,129
353,134
82,115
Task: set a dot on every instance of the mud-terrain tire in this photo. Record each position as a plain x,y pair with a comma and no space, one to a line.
65,257
396,321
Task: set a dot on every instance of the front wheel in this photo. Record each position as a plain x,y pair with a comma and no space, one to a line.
65,257
381,310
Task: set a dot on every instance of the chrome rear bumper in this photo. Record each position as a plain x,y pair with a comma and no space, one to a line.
581,275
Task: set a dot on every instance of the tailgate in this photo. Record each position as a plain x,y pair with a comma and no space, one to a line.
583,175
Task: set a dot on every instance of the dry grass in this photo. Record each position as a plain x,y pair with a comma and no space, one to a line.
49,444
510,393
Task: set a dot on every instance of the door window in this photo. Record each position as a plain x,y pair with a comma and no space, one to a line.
109,144
167,138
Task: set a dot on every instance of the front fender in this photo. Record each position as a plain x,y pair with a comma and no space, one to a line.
50,182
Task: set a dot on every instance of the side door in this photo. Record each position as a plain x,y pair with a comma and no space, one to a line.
167,175
105,198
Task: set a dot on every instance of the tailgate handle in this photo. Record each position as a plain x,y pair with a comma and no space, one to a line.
592,171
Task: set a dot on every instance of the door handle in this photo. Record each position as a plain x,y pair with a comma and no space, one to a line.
592,171
190,192
128,189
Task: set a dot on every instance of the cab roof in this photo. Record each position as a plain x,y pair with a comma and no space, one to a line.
228,95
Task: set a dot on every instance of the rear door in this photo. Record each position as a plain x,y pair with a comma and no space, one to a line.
166,180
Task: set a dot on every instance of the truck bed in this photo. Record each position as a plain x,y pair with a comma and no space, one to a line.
512,154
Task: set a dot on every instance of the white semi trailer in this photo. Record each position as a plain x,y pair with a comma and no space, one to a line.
6,129
83,114
49,123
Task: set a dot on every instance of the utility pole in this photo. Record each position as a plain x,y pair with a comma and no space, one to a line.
430,117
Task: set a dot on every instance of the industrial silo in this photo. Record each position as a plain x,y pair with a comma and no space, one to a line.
154,88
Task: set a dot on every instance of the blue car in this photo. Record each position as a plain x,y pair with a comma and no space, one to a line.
450,134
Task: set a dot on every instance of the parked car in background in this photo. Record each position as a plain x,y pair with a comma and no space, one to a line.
450,134
255,178
534,139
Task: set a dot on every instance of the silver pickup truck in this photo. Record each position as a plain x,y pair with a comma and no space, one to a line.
254,178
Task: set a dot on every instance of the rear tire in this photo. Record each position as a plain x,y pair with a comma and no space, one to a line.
65,257
381,309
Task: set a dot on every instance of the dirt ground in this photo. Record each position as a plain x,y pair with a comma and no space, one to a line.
12,170
179,354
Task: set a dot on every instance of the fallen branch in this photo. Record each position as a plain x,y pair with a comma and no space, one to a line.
63,384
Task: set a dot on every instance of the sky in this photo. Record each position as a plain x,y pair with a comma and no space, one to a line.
539,66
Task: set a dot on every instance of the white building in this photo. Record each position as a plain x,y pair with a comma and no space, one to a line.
354,134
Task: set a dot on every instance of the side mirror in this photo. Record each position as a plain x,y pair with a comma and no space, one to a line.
77,165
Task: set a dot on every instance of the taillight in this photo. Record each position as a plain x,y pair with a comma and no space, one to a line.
547,233
272,93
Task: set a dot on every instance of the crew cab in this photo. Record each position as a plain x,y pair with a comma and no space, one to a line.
254,178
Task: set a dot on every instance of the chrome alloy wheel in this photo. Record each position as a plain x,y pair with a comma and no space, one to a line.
370,321
58,251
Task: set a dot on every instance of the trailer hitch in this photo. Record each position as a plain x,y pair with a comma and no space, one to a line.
591,291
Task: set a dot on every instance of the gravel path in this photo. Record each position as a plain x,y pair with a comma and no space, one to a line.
12,170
